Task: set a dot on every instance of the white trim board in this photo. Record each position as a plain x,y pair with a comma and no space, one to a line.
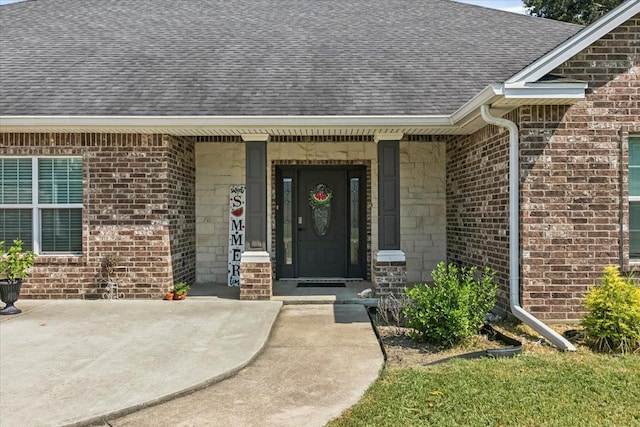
575,44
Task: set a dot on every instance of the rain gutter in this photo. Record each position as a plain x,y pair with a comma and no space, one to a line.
225,121
514,235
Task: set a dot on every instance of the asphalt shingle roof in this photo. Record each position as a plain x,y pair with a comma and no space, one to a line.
259,57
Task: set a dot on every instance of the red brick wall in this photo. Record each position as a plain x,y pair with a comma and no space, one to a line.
255,281
478,203
574,178
130,197
573,183
182,207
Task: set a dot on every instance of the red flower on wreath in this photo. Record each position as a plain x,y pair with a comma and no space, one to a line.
320,195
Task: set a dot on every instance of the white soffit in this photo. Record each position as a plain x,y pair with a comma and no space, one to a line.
236,125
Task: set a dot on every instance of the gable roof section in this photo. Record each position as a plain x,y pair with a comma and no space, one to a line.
576,44
534,84
259,57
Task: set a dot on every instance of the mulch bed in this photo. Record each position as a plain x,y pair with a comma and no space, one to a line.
403,351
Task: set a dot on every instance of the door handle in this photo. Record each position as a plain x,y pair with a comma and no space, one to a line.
301,228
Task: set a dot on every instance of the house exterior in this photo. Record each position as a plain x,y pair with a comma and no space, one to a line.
356,128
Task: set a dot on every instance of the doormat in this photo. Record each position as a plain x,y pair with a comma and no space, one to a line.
321,285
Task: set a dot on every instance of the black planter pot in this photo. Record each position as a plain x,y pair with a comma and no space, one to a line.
9,294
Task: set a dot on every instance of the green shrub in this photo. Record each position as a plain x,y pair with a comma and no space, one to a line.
613,320
454,308
15,264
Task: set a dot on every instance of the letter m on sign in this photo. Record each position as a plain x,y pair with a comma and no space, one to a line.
236,232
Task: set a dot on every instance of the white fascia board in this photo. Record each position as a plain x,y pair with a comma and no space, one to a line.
494,92
263,122
575,44
544,91
486,96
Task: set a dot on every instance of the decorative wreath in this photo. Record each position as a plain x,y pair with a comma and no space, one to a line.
320,196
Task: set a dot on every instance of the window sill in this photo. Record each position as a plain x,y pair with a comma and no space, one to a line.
64,259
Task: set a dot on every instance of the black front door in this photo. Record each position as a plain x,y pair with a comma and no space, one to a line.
319,223
322,223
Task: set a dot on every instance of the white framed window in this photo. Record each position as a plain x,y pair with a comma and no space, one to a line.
634,197
41,203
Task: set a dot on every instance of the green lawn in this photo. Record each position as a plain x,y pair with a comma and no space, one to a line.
579,389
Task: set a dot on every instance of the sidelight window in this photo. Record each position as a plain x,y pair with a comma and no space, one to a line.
354,220
634,197
287,219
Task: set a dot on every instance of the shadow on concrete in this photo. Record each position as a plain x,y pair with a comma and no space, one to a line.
345,314
217,290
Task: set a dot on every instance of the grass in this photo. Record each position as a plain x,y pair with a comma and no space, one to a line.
578,389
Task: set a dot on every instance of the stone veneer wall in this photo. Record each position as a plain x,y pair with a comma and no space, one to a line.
128,194
220,164
575,178
423,201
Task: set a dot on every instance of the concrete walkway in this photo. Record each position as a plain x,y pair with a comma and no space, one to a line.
79,362
67,362
318,362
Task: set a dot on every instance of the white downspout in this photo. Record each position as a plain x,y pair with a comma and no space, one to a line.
514,235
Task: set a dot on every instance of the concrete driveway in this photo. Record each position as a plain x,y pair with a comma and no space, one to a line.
67,362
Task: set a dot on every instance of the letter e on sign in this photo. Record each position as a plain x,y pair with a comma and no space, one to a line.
236,232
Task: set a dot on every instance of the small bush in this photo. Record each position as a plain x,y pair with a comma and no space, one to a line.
390,311
613,320
454,308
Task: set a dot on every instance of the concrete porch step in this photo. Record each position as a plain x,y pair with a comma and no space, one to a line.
288,292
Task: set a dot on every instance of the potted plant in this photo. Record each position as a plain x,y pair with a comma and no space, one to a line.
180,291
15,266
